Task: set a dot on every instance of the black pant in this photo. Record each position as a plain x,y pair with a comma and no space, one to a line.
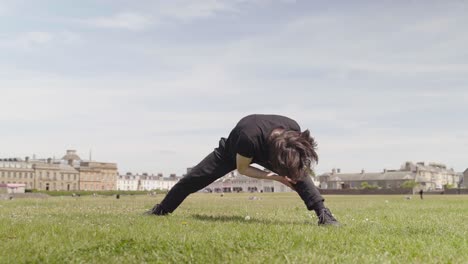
215,166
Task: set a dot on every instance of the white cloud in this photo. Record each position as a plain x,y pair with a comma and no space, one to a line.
177,10
38,39
345,76
35,38
189,10
127,20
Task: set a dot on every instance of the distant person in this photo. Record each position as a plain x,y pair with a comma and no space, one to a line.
421,192
272,141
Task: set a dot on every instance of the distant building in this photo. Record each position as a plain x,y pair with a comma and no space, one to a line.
465,179
55,176
98,176
431,176
145,182
69,173
236,182
17,171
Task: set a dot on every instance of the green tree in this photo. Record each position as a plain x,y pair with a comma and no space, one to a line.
409,184
449,186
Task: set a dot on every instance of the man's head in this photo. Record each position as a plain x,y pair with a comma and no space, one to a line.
292,153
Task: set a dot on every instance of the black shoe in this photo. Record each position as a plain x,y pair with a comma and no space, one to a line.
156,210
326,218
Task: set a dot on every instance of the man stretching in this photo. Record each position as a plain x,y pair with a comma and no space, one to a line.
272,141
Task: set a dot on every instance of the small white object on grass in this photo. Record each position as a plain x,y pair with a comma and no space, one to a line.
247,218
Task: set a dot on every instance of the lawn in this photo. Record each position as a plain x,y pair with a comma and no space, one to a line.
209,228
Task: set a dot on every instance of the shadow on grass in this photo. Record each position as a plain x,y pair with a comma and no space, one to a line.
238,218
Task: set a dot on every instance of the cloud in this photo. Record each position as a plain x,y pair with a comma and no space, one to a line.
169,11
374,90
38,39
128,20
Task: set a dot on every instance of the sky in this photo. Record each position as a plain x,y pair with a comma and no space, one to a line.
153,85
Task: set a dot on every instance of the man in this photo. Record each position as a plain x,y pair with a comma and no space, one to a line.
272,141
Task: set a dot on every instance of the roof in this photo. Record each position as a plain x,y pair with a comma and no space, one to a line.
71,155
67,168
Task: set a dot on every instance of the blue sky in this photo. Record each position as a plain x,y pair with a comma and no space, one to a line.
153,85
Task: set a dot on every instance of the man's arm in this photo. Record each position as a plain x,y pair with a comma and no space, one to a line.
244,168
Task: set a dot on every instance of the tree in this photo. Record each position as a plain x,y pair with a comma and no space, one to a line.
409,184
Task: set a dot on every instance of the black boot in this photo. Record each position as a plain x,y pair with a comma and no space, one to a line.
326,218
156,210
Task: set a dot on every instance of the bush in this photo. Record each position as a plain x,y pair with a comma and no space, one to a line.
366,185
409,184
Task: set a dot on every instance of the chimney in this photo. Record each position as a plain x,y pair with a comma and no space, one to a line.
384,170
363,171
26,159
338,170
333,171
49,160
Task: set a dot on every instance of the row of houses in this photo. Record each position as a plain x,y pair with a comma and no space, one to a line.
71,173
426,177
146,182
68,173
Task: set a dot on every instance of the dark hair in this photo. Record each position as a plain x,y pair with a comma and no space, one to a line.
292,153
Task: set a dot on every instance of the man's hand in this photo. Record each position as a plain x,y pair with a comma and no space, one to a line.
244,168
286,181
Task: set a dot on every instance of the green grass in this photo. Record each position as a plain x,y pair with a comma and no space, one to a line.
208,228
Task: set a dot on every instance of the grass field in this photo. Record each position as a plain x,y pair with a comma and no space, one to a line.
208,228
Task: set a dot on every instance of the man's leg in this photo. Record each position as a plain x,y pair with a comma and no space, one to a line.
213,167
310,194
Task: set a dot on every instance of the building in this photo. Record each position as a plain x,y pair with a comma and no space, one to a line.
145,182
235,182
98,176
69,173
385,179
464,179
55,176
17,171
93,175
428,177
